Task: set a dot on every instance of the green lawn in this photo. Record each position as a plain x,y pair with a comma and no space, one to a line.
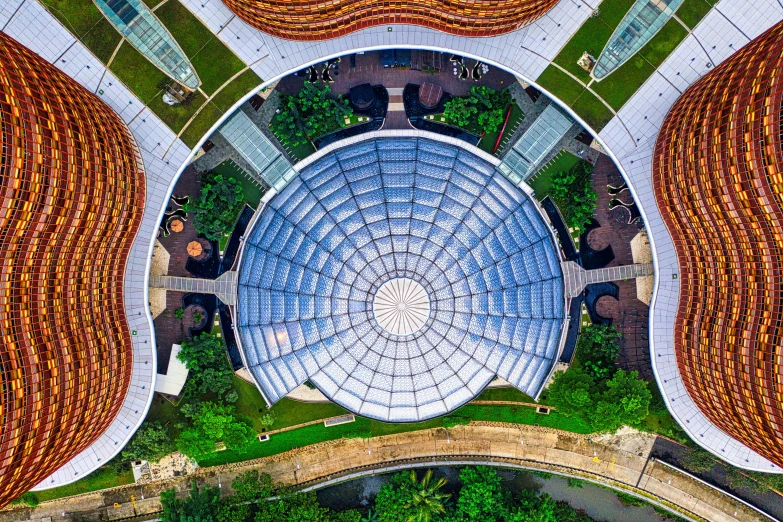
213,61
85,20
218,105
102,478
487,143
541,181
504,394
253,192
152,3
592,37
201,124
620,85
143,78
576,96
592,110
692,11
318,433
562,86
231,93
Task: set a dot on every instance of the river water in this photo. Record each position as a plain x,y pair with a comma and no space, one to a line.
599,503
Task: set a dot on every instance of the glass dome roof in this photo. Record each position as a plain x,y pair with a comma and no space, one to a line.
432,215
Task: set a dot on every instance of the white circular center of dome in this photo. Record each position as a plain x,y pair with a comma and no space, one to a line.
401,306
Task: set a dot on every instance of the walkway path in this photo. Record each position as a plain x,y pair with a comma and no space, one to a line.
621,461
576,277
224,287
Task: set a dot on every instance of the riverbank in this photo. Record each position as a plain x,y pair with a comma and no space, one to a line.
621,461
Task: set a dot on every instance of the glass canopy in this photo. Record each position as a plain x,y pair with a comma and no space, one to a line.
475,267
643,20
145,32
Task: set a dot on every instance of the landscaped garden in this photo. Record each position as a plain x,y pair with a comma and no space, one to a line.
483,112
620,85
214,63
308,115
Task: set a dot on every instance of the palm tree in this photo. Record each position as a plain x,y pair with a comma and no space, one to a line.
427,501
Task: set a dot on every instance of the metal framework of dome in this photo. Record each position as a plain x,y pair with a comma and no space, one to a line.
392,208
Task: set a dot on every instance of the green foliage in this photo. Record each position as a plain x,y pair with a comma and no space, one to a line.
625,400
597,348
427,500
452,421
393,498
151,442
209,369
698,460
217,207
251,486
572,392
572,192
29,499
481,496
482,111
309,114
179,313
301,507
565,513
630,500
753,480
201,505
575,483
533,508
215,423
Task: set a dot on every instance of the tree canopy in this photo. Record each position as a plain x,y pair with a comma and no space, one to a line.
214,423
572,192
209,370
407,497
309,114
598,347
216,209
481,111
151,442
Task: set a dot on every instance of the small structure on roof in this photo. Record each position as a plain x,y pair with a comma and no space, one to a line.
429,94
172,382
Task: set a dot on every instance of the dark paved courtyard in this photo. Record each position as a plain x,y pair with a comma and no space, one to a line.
628,313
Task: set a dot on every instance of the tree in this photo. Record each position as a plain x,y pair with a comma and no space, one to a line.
201,505
572,192
427,501
217,207
151,442
460,111
597,348
534,508
209,370
302,507
626,400
490,121
392,497
215,423
572,392
481,496
251,486
310,114
288,124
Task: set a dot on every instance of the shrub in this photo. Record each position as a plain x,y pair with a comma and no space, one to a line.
28,499
451,421
216,209
179,313
573,193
